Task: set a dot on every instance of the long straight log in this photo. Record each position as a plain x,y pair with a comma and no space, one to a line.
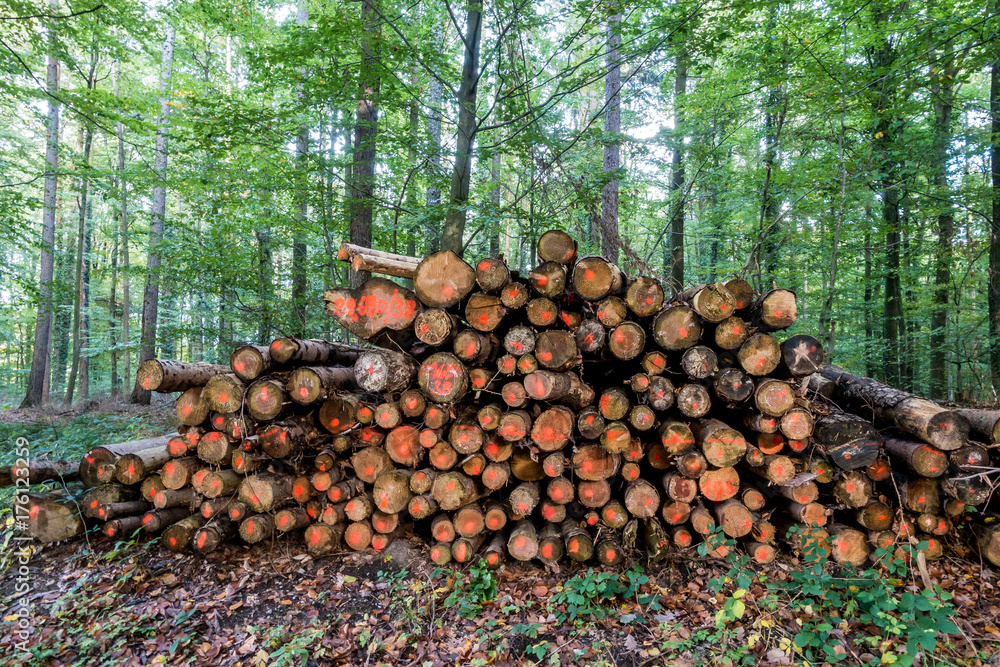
941,427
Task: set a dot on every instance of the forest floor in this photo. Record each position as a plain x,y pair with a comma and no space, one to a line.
98,602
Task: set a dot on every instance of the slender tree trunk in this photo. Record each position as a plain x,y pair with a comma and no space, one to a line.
942,91
151,292
362,195
495,223
38,376
869,300
265,283
452,236
85,297
82,242
302,214
126,262
62,302
612,147
677,177
994,270
435,93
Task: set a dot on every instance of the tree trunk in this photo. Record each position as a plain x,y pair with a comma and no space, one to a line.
461,177
612,149
81,246
151,291
884,133
362,182
302,213
994,269
677,178
942,91
436,92
126,262
37,384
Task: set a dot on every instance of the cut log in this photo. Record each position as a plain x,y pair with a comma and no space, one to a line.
641,499
731,333
556,350
943,428
256,528
594,494
699,362
191,407
386,371
556,245
920,458
170,376
249,362
676,328
848,440
693,400
848,545
266,492
177,537
155,521
591,336
311,384
774,397
719,484
548,279
524,499
644,296
627,341
776,309
453,489
307,352
108,454
265,399
660,394
732,385
442,279
984,425
219,483
579,543
523,541
216,448
358,535
759,355
53,518
392,490
594,278
551,430
722,446
442,378
224,392
186,497
380,311
322,539
734,517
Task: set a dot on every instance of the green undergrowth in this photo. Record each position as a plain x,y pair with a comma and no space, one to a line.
70,438
819,613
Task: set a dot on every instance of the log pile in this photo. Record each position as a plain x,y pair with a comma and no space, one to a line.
574,413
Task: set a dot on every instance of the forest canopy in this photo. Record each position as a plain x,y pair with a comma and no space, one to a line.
176,177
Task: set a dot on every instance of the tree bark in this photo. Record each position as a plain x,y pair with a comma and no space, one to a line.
362,181
677,177
302,212
151,292
82,247
994,268
942,90
461,177
37,385
612,148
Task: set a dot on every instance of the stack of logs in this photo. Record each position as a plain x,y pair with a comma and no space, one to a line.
571,413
